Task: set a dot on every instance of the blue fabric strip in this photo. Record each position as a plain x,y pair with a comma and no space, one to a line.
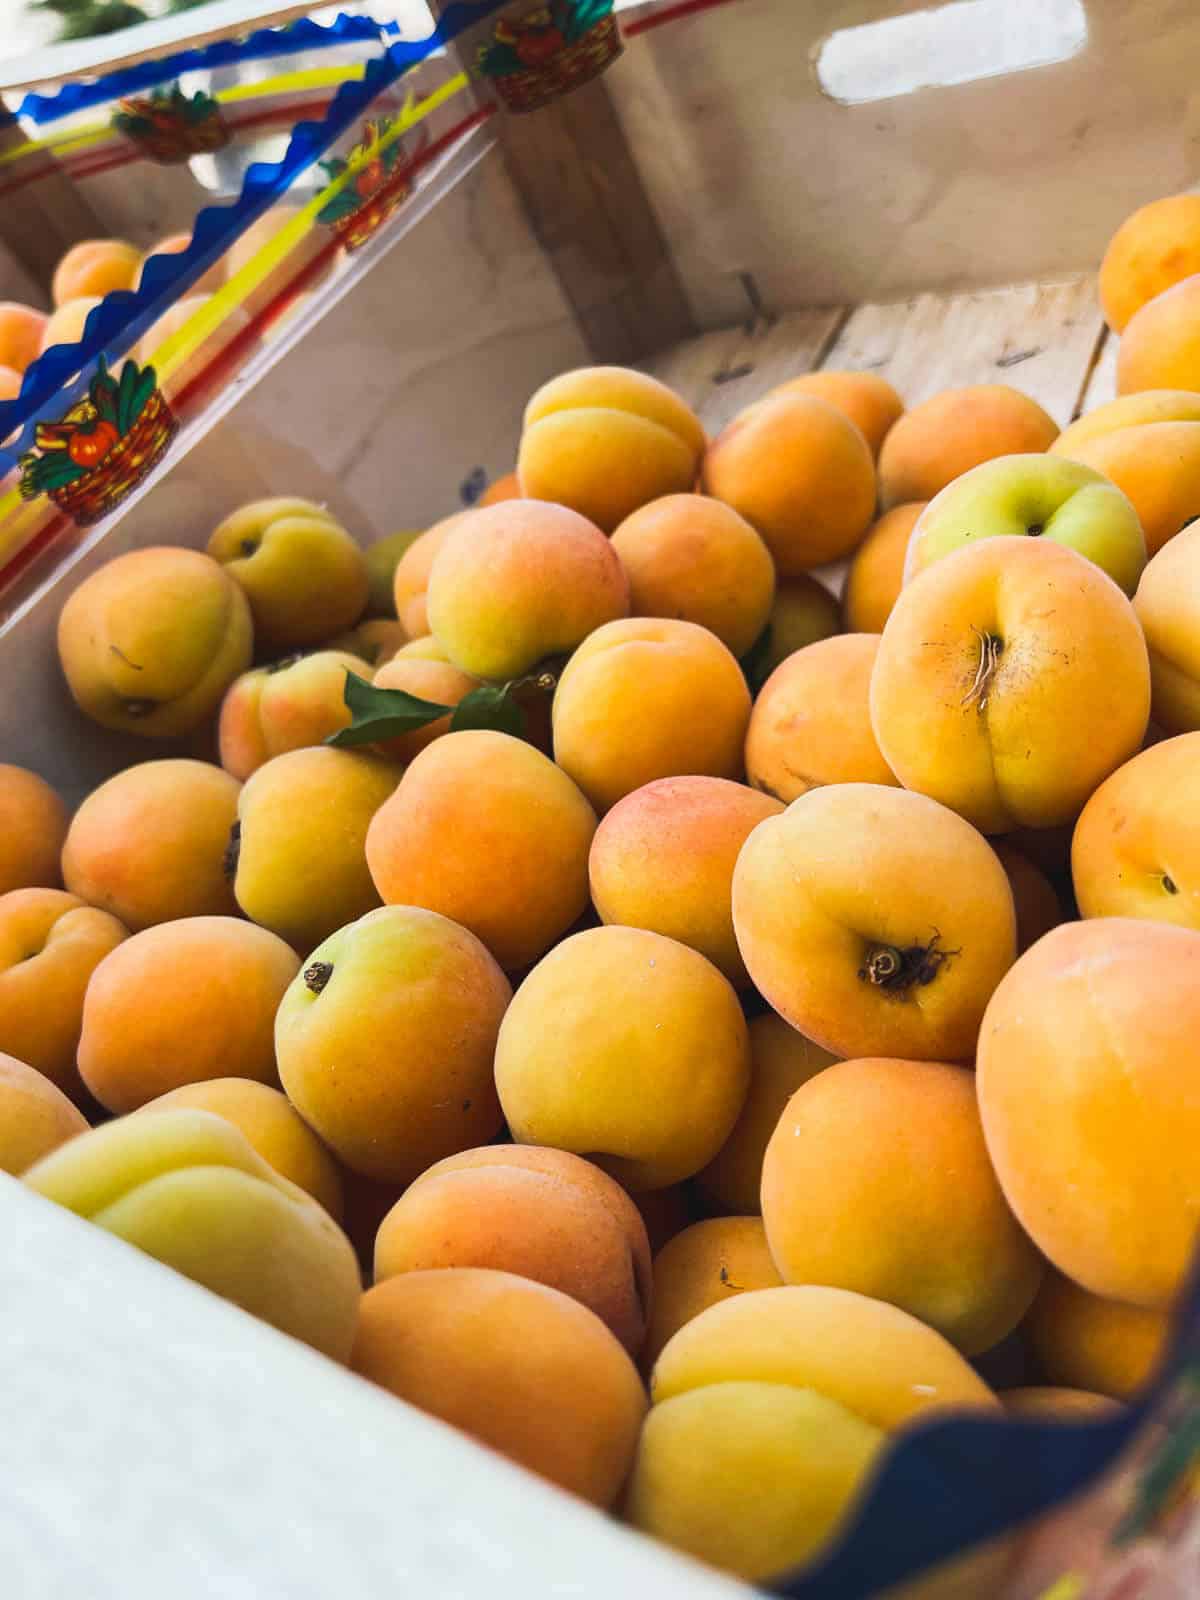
303,34
57,379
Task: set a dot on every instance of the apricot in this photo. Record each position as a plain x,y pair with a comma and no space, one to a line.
876,573
663,859
35,1117
691,557
1034,896
628,1048
233,321
422,668
877,1179
1135,851
385,1042
507,487
149,845
1086,1086
10,383
799,472
876,921
410,583
488,831
803,611
187,1188
150,642
1086,1342
21,334
290,705
781,1060
541,1214
626,708
1011,679
272,1128
1156,465
374,641
67,323
864,398
606,440
1128,411
299,857
1055,1404
33,825
520,581
382,557
811,722
1160,347
1036,496
302,573
519,1366
1156,246
180,1003
95,267
702,1266
951,432
781,1401
50,944
1167,604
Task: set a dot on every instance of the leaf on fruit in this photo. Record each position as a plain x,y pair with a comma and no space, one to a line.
381,713
755,664
490,706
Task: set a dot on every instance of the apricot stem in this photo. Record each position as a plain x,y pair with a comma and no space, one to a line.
896,971
990,648
318,975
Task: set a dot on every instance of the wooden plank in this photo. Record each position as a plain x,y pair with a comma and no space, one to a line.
695,367
1038,337
158,1441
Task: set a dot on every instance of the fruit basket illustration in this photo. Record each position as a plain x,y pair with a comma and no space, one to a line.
103,447
171,126
378,188
536,58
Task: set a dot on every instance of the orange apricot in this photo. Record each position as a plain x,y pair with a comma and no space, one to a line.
507,487
876,574
701,1267
33,825
66,324
290,705
811,722
35,1116
539,1213
1167,604
95,267
1157,465
802,612
22,331
1086,1342
663,859
867,400
1156,246
1034,896
410,582
423,669
1160,347
951,432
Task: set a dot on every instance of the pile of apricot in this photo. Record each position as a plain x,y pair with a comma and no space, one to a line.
721,1022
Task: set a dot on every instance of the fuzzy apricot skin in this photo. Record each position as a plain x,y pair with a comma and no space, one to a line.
288,706
179,1003
1167,604
385,1042
628,1048
539,1213
876,574
606,440
519,582
811,722
95,267
1160,347
1086,1342
410,582
1155,247
35,1116
149,845
801,473
937,441
422,668
150,642
33,825
1087,1090
781,1401
486,830
187,1188
663,859
864,398
1012,678
625,708
877,1179
834,903
703,1266
519,1366
1156,463
51,943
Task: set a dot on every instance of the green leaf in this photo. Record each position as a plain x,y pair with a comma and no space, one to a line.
755,664
381,713
490,706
